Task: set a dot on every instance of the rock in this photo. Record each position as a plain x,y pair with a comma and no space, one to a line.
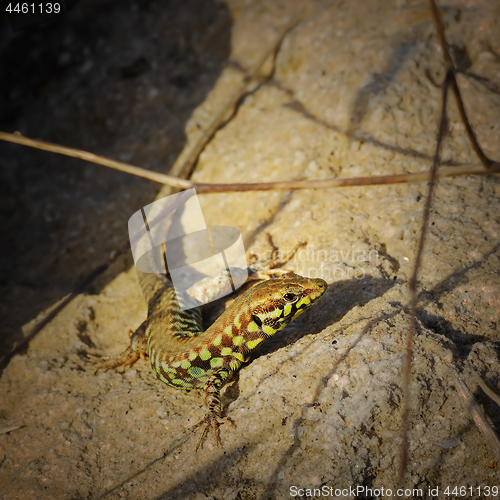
320,405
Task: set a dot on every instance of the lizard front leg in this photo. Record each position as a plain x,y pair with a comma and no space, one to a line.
270,268
213,418
214,287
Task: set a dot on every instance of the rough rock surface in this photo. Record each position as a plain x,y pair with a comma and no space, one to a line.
320,404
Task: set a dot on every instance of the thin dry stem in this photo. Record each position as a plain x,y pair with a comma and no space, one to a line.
490,165
479,417
205,188
413,284
93,158
493,395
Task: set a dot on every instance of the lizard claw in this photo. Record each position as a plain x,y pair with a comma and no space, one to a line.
126,359
266,269
212,421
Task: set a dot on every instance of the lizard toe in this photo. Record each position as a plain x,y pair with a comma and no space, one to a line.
212,422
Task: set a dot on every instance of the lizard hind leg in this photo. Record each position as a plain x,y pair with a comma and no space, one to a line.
129,356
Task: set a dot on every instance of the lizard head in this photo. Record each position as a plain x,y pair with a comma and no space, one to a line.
276,302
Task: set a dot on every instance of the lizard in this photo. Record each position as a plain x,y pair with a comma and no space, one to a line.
184,356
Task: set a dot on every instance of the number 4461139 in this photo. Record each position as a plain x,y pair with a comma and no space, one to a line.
33,8
475,492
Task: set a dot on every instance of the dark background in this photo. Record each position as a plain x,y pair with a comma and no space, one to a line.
116,78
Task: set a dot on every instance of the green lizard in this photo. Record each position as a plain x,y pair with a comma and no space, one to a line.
184,356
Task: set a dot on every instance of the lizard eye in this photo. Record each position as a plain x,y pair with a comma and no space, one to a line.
257,320
290,297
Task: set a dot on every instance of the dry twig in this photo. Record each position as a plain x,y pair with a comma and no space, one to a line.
206,188
479,417
493,395
489,166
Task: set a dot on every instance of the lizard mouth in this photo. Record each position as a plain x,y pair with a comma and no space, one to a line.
317,290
